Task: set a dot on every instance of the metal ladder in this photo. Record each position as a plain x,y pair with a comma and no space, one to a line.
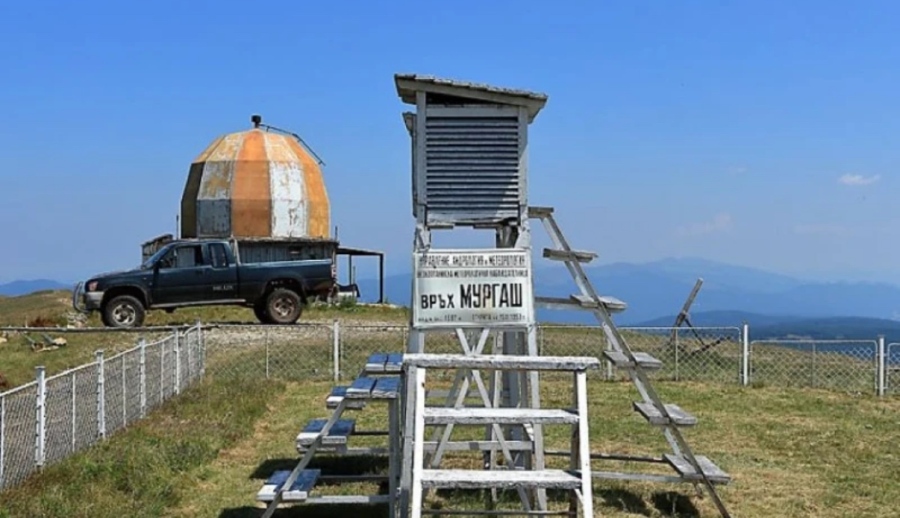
670,417
429,475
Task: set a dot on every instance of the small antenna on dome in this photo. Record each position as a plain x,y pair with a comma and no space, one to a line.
256,120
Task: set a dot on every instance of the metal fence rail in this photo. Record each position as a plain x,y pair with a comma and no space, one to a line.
53,417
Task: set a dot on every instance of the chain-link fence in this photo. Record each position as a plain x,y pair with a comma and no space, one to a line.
845,365
338,351
892,369
52,417
699,354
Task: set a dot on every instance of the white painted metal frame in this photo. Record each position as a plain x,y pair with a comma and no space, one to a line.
415,367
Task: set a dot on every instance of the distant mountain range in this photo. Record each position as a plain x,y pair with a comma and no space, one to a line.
774,304
24,287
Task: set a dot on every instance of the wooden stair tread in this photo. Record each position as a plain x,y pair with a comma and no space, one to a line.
644,360
337,435
539,212
684,468
612,304
500,479
299,490
384,362
502,361
443,415
576,255
337,395
366,387
655,417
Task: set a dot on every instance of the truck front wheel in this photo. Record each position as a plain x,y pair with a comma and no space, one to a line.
260,311
283,306
123,311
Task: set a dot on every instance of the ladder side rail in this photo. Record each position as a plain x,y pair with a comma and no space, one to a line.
616,336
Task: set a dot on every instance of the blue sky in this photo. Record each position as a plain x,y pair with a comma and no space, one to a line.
758,133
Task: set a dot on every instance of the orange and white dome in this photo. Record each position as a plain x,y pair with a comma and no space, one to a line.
255,184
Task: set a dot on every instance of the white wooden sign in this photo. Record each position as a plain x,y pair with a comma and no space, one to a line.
472,288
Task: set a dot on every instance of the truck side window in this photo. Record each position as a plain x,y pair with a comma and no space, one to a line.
218,255
188,256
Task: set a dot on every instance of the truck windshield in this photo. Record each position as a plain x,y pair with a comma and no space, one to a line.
155,257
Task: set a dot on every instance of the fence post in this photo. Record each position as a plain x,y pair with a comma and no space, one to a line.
177,363
2,435
101,396
124,393
162,371
74,410
745,354
880,365
268,352
190,356
812,375
201,348
143,375
41,416
336,349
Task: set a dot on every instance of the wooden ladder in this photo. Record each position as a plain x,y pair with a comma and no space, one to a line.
577,479
670,417
378,381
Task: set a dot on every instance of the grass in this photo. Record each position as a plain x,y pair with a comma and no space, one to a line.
792,450
791,453
153,464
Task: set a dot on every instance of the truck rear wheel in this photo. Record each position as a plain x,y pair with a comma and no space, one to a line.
123,311
283,306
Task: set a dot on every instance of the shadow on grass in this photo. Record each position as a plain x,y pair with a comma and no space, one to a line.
675,505
311,511
668,503
330,465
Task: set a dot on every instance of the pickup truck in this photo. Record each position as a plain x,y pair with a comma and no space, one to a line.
203,272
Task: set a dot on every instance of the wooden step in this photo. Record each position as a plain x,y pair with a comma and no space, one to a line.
499,479
612,304
337,395
299,490
653,415
366,387
337,435
574,255
384,363
482,416
620,360
684,468
539,212
501,362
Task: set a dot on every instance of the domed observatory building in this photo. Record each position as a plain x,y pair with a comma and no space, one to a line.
264,189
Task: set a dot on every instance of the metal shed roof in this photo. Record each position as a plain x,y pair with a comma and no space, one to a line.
409,84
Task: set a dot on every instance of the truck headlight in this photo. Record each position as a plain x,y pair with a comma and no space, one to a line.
91,286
